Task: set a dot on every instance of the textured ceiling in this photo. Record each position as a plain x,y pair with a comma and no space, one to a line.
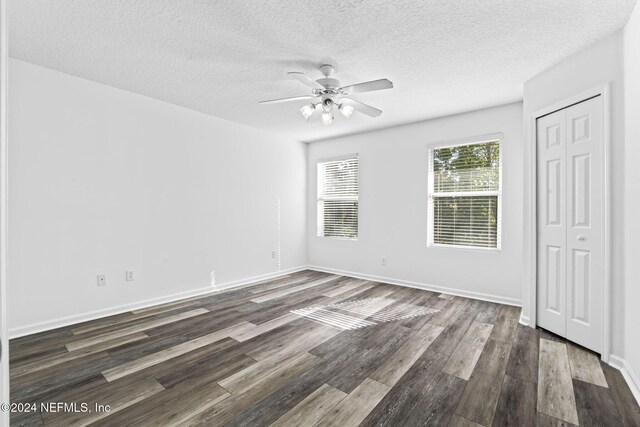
222,57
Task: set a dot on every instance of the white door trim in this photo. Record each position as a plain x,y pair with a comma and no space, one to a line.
4,363
604,91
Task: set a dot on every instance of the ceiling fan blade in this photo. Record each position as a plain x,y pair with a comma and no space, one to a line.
368,86
361,107
306,80
293,98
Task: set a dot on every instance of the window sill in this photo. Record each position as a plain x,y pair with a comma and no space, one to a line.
351,239
465,248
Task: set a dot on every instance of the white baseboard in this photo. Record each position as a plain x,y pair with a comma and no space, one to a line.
251,281
97,314
524,320
424,286
632,379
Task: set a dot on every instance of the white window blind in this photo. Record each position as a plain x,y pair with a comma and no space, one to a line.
465,191
338,198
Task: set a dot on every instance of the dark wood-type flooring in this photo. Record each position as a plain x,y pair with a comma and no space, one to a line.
315,349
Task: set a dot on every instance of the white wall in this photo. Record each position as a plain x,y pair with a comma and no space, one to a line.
102,180
393,208
595,66
632,194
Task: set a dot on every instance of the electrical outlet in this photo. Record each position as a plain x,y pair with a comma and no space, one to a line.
383,260
102,279
130,275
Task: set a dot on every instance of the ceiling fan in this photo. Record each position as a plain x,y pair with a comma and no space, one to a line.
329,97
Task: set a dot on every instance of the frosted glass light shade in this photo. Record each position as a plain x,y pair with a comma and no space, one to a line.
346,110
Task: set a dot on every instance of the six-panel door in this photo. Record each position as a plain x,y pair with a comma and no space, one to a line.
570,196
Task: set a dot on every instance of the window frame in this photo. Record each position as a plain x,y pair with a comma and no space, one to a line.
499,137
319,199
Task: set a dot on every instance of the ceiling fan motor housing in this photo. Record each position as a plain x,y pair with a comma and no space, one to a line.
329,83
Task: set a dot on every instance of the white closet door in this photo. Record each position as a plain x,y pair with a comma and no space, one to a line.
585,276
570,234
552,229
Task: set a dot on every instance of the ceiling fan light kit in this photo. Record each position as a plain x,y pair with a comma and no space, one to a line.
333,96
308,110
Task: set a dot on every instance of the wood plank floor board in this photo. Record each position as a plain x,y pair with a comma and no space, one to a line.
344,287
180,403
396,365
517,403
464,358
439,402
108,324
40,350
368,361
262,328
210,368
244,379
142,321
301,301
506,324
279,284
430,301
161,308
356,406
555,389
408,392
313,408
628,408
139,348
197,326
240,381
33,340
333,347
31,356
585,366
306,342
353,293
595,405
291,370
458,421
482,391
25,419
235,405
294,289
171,352
544,334
489,312
544,420
450,337
213,352
272,342
39,383
69,356
133,329
523,362
118,395
284,399
382,333
449,309
287,397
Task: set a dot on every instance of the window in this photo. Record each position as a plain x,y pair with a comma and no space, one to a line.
465,188
338,198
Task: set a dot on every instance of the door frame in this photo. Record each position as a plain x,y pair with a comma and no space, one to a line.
603,90
4,361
